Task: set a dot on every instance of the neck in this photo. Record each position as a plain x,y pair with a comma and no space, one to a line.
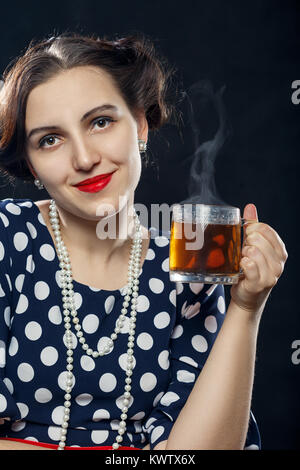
98,241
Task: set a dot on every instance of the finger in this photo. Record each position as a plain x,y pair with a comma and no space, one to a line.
266,277
250,273
275,263
271,235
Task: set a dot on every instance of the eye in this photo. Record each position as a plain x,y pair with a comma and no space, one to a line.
48,139
101,121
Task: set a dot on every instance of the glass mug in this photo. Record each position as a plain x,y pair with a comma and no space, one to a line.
205,243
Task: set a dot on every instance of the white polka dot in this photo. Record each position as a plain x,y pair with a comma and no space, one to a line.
162,320
161,241
109,303
100,414
13,208
8,282
188,360
54,433
196,287
199,343
126,326
211,289
13,347
157,398
24,410
144,341
62,379
54,315
22,304
2,251
172,297
30,265
18,426
168,398
107,382
90,323
165,265
156,285
4,220
143,303
221,304
41,290
163,359
9,385
210,324
177,332
25,372
6,313
2,293
19,282
123,361
3,403
41,219
150,254
33,330
57,415
149,422
25,204
47,252
179,288
74,340
77,300
190,311
138,416
98,437
2,353
20,241
157,433
185,376
30,438
31,229
103,342
87,363
49,356
84,399
252,447
43,395
148,382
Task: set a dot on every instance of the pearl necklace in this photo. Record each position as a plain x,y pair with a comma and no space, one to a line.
69,308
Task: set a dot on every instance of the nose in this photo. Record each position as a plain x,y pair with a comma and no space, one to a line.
84,154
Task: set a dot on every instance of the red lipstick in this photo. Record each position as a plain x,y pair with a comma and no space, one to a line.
93,185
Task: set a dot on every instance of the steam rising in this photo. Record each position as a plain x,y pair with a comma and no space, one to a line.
201,186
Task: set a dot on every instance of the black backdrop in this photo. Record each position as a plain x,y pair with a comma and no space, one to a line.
253,49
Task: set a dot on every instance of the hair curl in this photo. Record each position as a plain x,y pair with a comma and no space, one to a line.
141,75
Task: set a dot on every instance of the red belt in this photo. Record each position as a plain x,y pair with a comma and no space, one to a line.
54,446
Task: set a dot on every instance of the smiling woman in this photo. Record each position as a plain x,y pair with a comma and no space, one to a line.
96,347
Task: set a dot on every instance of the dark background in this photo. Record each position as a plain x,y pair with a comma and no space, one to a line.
253,49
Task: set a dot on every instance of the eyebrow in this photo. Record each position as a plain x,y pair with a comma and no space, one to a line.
104,107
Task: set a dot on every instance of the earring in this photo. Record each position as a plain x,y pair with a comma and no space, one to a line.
38,184
142,145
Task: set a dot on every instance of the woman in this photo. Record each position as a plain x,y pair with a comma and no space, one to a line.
74,108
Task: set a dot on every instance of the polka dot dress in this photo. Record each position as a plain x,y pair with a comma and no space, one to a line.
176,327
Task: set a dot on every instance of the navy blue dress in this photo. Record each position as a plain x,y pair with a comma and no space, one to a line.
176,327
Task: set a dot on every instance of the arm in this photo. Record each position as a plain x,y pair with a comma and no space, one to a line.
12,445
221,397
216,413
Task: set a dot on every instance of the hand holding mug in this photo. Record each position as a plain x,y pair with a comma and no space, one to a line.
262,262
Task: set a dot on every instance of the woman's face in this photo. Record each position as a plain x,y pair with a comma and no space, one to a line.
82,141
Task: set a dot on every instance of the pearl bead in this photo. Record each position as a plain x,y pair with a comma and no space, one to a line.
67,289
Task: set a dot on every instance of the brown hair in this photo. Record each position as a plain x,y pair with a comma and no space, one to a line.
141,75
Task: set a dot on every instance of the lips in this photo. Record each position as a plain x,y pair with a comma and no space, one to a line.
96,186
95,179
